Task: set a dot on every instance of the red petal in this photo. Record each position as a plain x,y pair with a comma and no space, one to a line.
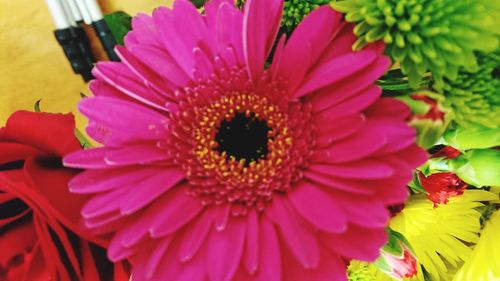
53,133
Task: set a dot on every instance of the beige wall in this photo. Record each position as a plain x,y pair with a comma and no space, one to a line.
33,66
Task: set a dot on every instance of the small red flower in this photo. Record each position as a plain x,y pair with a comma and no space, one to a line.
441,186
39,234
447,152
434,113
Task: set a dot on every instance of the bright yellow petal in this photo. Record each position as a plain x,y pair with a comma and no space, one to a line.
437,235
484,262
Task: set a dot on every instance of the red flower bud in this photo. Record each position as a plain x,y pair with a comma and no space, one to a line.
434,113
447,152
441,186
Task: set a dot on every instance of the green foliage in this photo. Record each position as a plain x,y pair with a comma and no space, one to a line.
472,137
37,106
296,10
479,167
120,24
475,96
360,273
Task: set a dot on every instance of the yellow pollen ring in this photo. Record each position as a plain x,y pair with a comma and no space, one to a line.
229,170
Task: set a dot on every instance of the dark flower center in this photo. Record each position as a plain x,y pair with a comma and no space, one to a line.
243,137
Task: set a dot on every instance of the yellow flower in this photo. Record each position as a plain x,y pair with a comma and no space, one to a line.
440,236
484,262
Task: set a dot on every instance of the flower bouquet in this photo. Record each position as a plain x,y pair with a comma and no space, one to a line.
269,140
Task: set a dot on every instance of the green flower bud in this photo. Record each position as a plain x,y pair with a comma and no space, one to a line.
479,167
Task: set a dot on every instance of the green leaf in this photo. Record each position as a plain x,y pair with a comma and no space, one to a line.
198,3
37,106
120,23
84,142
416,106
429,132
415,184
474,137
480,167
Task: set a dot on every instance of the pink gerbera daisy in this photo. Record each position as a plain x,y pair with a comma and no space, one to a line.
218,167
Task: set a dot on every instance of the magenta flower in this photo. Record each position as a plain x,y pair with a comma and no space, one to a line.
217,167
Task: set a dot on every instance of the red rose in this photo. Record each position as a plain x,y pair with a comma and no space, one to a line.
40,238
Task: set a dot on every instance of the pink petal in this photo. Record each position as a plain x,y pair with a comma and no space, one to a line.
347,88
341,43
399,135
165,214
144,31
335,70
191,26
335,183
106,136
227,24
222,217
155,257
143,153
332,267
366,212
102,89
363,169
126,238
354,104
93,181
194,270
87,159
169,267
277,57
212,8
204,63
357,242
151,188
261,21
157,86
388,108
176,210
194,236
332,127
414,156
172,41
362,144
307,43
160,62
106,223
252,243
119,115
316,206
225,249
270,255
104,203
298,235
121,77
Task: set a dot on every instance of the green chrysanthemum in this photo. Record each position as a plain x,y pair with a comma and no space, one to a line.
296,10
360,271
475,96
439,36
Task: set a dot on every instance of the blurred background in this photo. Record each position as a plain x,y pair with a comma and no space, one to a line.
32,64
